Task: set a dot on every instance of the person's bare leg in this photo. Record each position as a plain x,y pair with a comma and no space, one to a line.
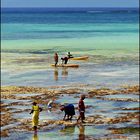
35,129
78,118
70,118
83,117
67,117
64,117
56,63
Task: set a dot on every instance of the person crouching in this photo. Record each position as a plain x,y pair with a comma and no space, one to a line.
64,60
69,111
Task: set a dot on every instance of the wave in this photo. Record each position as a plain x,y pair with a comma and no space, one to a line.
95,11
113,11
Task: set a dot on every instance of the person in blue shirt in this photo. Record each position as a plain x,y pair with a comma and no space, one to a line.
69,111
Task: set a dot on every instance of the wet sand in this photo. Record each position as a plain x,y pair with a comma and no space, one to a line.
18,100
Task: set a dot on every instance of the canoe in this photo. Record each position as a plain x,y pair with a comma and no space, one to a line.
65,65
80,58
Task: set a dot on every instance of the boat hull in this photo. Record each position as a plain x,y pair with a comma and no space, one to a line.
80,58
66,65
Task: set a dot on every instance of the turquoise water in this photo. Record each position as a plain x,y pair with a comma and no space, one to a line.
97,39
29,38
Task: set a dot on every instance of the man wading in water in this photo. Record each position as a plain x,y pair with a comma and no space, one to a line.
56,58
81,107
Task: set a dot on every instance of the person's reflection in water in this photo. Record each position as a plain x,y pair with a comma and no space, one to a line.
56,74
68,130
35,137
64,72
81,132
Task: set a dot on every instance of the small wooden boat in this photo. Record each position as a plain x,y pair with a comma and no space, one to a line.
65,65
80,58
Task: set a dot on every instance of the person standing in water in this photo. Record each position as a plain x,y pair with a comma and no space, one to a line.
56,59
35,117
81,107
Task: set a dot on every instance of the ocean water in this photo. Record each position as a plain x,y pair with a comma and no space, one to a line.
30,37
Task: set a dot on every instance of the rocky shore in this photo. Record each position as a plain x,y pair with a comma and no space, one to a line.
43,95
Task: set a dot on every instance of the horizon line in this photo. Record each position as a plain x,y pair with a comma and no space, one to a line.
70,7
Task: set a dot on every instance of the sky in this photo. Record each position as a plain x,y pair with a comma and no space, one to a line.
69,3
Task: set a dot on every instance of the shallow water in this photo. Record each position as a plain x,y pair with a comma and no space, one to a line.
28,45
122,96
96,107
64,133
100,107
10,126
44,115
104,108
14,101
28,94
74,133
100,75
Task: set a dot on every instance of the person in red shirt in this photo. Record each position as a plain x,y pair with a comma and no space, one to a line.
81,107
56,58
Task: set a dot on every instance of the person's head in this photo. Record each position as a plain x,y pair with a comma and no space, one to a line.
55,53
34,103
83,97
68,52
62,108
